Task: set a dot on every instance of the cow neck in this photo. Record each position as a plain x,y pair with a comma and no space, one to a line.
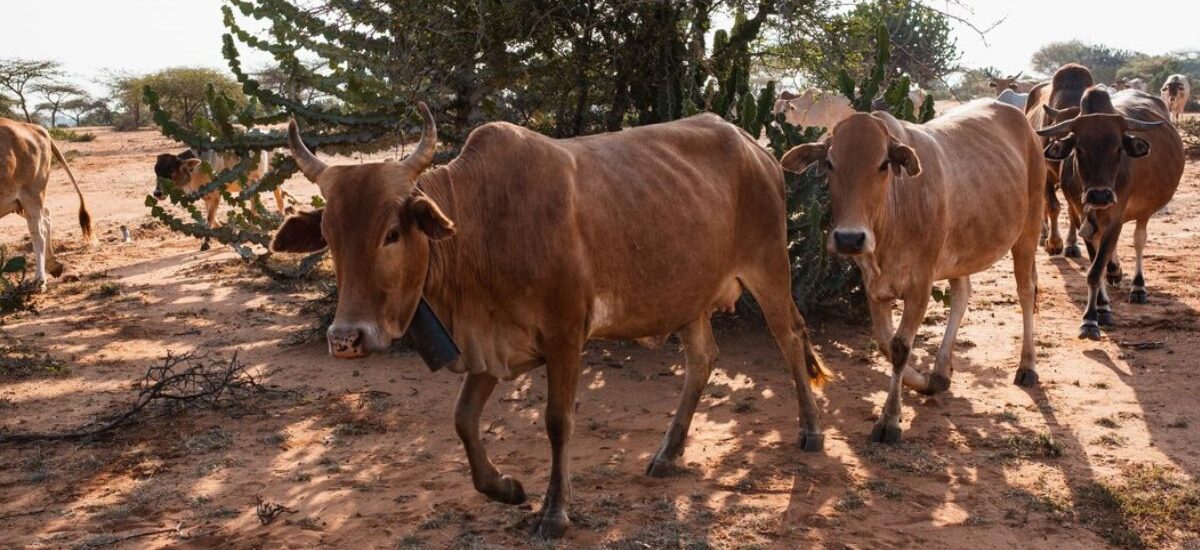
437,185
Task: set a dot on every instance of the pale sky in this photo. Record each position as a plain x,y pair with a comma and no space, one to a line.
89,36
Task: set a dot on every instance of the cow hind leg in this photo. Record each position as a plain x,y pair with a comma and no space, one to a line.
562,378
1138,294
960,295
476,389
1072,250
1025,272
700,351
39,237
772,290
211,202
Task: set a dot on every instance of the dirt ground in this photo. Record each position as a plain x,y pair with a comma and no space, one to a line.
364,453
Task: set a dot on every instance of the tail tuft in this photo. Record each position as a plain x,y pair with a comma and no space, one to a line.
818,374
85,223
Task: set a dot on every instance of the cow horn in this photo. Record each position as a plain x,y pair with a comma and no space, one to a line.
1069,112
1061,129
309,164
422,157
1018,75
1134,125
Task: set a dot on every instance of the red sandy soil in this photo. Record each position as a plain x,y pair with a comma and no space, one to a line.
366,455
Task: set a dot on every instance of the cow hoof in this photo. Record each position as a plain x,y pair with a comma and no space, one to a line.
1053,247
1026,377
1106,319
550,525
1139,296
40,287
659,468
885,433
1072,251
812,442
204,247
1089,331
1114,278
508,491
937,384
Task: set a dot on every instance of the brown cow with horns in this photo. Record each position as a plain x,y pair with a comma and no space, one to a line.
527,247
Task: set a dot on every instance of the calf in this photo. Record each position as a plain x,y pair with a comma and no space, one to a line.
185,171
527,247
1175,92
917,204
25,154
1122,161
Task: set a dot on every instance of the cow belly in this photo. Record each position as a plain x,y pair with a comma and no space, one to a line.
650,317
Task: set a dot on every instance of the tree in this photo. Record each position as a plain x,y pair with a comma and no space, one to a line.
1103,61
19,75
78,107
56,95
6,107
921,44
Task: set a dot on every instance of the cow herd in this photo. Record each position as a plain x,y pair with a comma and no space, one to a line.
527,247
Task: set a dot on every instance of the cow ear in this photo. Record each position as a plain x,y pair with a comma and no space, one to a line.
300,233
429,218
189,167
1135,147
903,156
1060,149
801,157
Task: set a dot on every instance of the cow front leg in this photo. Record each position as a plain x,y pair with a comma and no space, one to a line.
279,201
1138,294
211,202
1099,311
887,429
562,378
1053,244
700,351
476,389
1072,249
943,366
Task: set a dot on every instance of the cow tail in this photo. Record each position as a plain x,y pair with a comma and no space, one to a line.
85,217
818,374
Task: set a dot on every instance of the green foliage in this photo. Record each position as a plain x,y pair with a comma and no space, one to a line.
923,46
16,290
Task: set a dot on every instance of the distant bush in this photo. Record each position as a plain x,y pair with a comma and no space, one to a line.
62,134
1189,130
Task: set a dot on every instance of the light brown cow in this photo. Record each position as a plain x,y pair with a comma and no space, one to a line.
25,154
917,204
1011,82
1048,104
185,170
527,247
1122,161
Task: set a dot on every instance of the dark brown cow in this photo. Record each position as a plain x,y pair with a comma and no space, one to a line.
1122,161
527,247
914,204
1051,103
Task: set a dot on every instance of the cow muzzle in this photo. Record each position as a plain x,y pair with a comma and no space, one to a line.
849,242
1100,198
346,342
158,194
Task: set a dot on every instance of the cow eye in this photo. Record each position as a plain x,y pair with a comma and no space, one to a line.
392,237
883,167
828,166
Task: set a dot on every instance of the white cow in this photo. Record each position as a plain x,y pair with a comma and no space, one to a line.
1016,99
815,108
1175,92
